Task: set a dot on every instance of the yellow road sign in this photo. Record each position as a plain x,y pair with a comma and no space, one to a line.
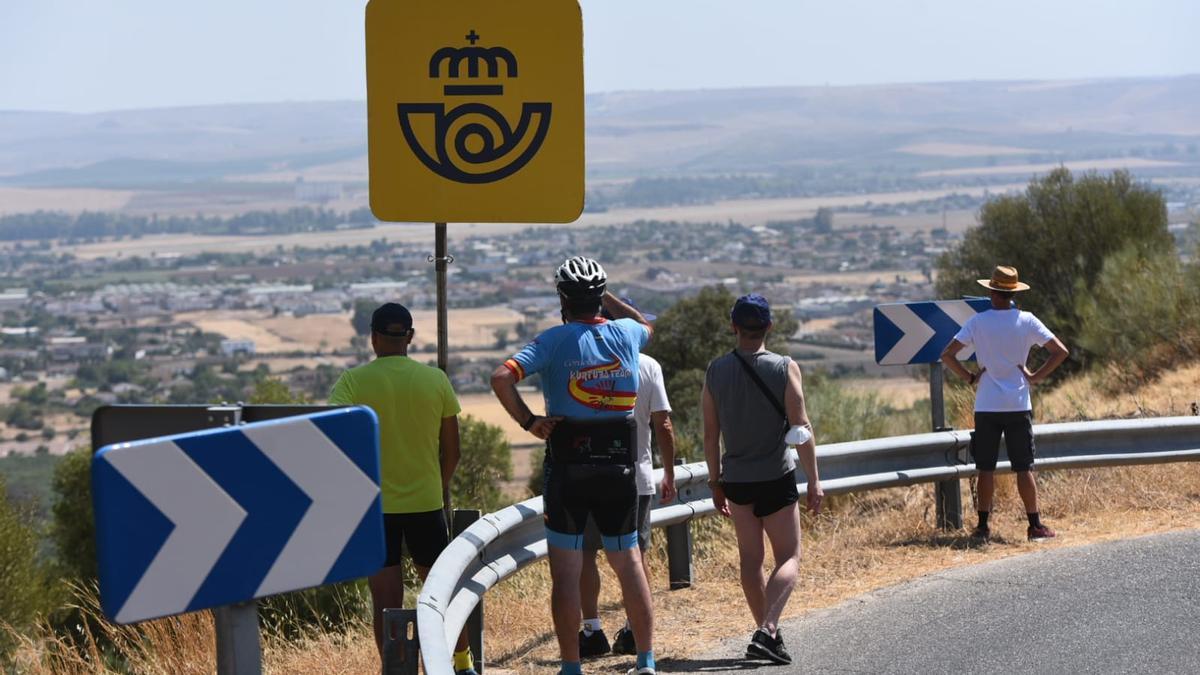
475,110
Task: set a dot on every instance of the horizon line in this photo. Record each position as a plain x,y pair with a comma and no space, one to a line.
183,106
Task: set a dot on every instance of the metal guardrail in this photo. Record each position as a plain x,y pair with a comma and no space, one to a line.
501,543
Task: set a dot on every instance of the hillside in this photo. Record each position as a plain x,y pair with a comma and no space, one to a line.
903,126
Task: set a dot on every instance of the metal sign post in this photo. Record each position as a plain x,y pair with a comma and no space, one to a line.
440,261
947,493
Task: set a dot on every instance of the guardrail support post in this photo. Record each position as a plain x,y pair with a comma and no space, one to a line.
679,555
401,647
238,650
461,521
947,493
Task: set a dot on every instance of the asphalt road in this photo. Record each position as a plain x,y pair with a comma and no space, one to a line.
1123,607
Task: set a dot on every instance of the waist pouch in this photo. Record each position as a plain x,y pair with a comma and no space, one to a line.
610,441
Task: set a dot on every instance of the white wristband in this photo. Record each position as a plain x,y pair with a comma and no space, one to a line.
797,435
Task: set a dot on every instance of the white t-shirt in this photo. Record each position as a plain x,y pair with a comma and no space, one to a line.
651,397
1002,339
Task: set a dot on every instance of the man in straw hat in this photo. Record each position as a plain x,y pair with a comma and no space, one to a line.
1002,337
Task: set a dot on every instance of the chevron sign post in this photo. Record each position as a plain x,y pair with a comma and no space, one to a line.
217,517
917,332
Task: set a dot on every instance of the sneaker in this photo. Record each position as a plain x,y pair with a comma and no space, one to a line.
981,534
623,642
595,644
1040,533
641,671
763,646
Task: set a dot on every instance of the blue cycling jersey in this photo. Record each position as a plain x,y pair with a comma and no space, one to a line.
589,368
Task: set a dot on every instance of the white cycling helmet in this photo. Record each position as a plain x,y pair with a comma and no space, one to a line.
580,277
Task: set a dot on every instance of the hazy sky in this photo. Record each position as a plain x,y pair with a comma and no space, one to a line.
88,55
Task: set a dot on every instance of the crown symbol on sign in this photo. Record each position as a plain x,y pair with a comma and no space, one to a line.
472,56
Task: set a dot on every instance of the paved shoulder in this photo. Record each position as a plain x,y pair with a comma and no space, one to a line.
1123,607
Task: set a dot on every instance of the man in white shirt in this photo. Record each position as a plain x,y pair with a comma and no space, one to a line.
1002,337
651,411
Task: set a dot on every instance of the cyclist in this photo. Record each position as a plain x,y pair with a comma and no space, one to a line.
589,369
652,412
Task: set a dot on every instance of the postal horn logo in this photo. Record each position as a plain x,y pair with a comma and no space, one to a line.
473,142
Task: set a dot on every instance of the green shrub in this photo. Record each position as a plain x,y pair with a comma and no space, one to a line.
1142,314
23,588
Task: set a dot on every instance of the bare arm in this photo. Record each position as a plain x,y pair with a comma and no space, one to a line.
793,401
1058,354
712,449
664,433
621,310
950,359
504,385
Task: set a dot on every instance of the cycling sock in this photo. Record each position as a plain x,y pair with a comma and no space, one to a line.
983,518
1035,519
463,660
571,668
646,659
591,626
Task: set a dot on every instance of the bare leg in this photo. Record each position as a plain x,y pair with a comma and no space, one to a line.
1027,488
783,530
387,592
463,642
749,530
589,586
635,594
986,488
565,566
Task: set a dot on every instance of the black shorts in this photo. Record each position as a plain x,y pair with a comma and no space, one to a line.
425,534
767,496
591,533
607,493
1017,429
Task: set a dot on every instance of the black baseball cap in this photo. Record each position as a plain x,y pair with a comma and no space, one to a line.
629,301
751,312
391,319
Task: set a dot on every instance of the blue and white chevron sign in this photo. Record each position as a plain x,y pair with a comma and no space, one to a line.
214,517
917,332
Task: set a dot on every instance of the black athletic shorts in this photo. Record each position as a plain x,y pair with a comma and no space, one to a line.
425,534
589,471
1017,429
591,534
767,496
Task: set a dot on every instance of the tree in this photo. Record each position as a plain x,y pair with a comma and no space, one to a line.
1058,234
361,318
823,221
73,529
485,466
268,390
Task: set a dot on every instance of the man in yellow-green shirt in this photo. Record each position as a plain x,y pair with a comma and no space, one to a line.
419,451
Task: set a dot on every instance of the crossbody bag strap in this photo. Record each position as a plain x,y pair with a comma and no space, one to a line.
762,386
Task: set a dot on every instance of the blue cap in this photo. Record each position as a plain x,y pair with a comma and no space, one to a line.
751,311
629,301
